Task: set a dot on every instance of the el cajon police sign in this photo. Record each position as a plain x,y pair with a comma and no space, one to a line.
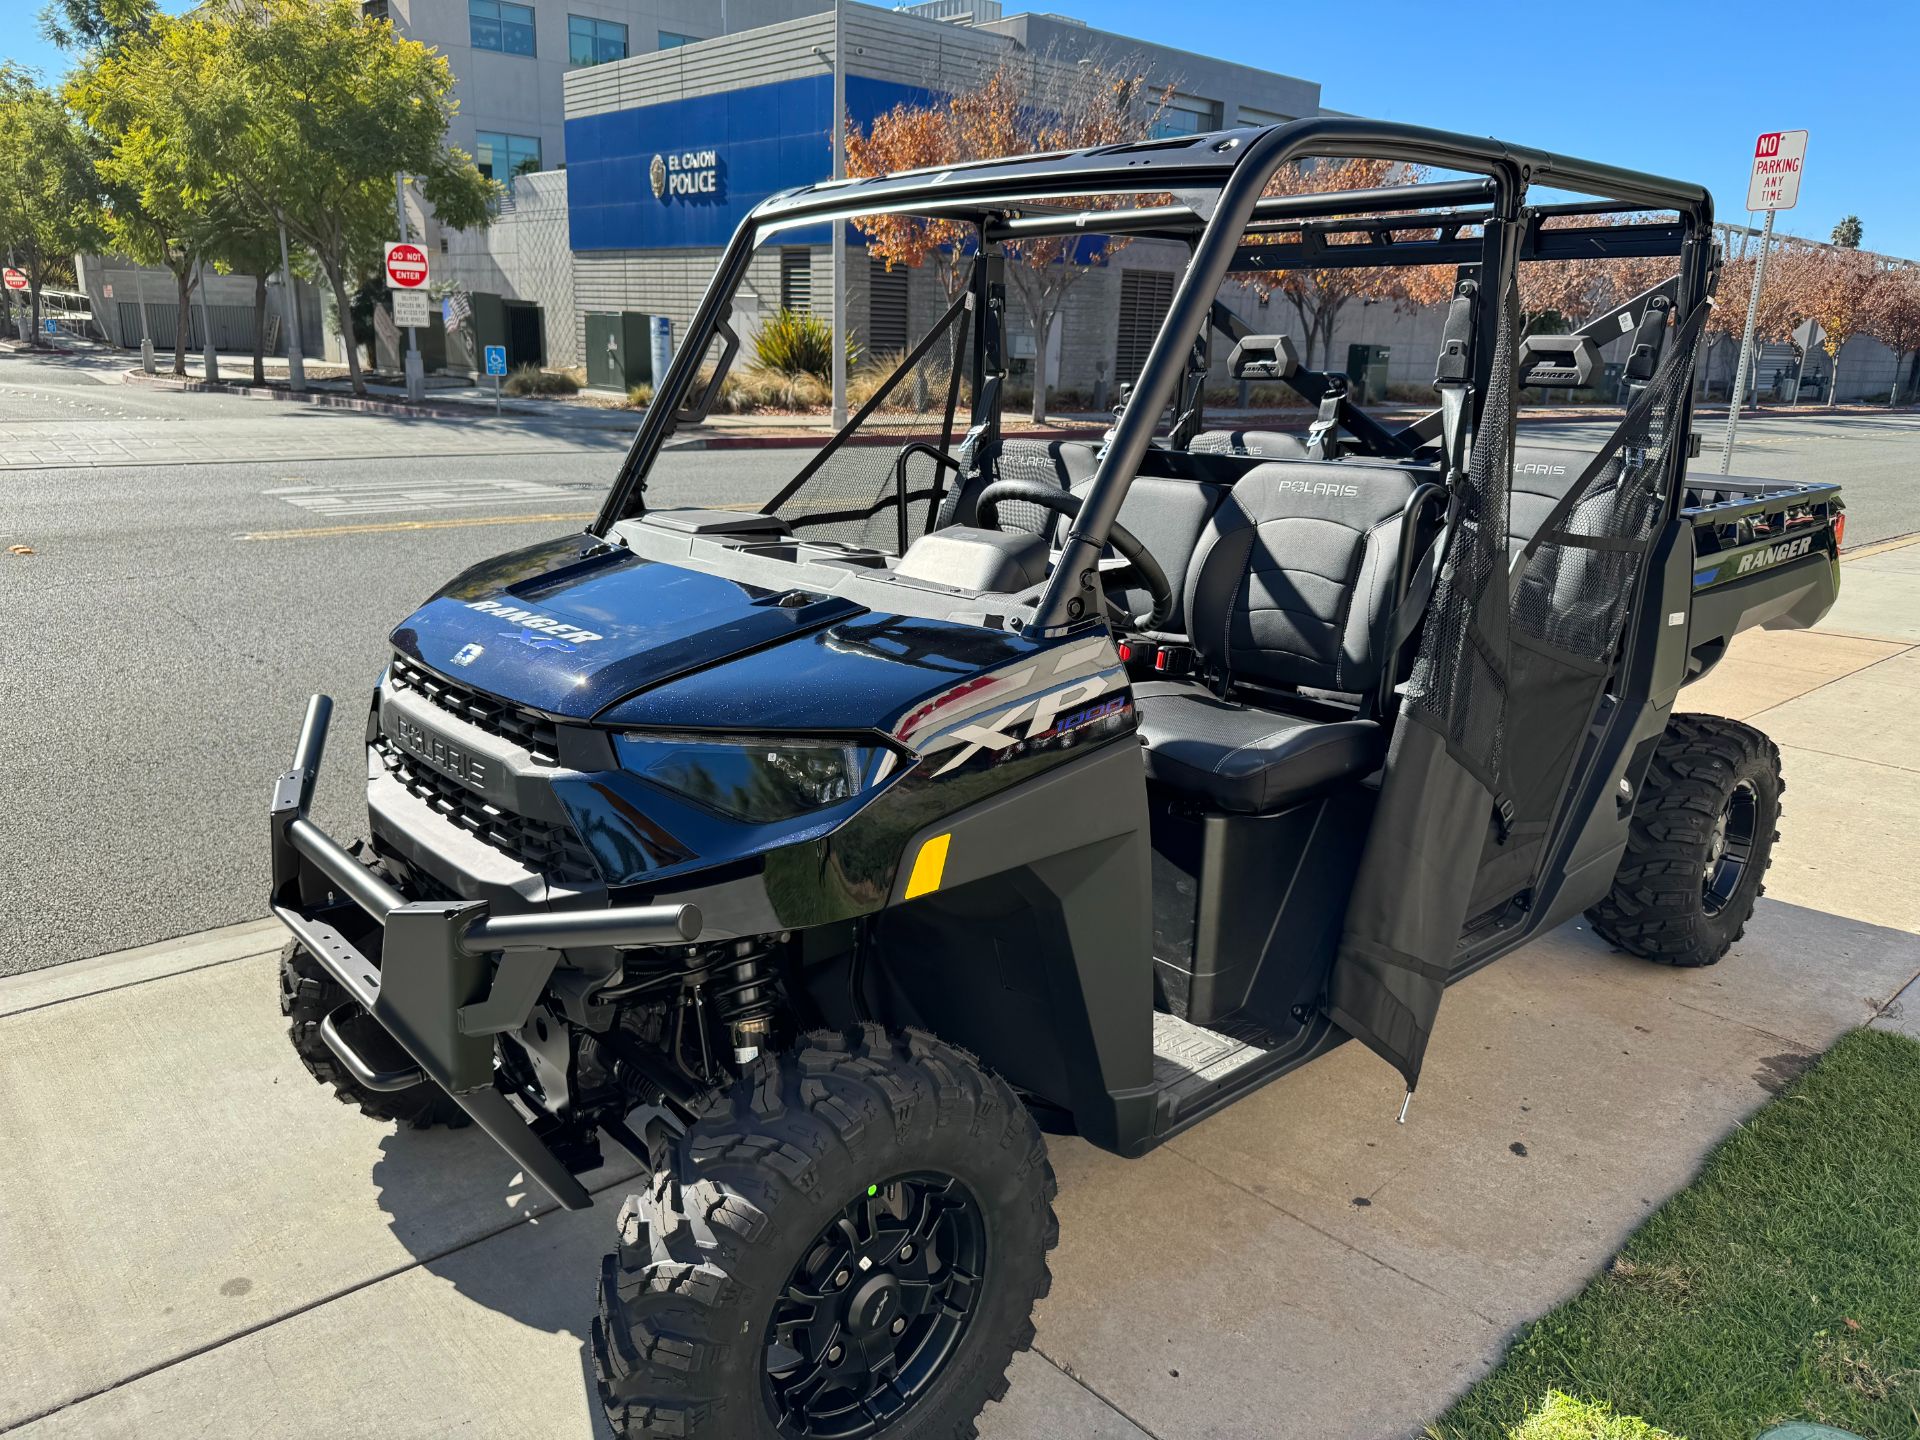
686,174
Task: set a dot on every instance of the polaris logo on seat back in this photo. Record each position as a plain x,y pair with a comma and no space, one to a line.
530,620
1774,554
1317,487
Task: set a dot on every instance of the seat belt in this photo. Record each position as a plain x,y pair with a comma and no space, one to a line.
1452,377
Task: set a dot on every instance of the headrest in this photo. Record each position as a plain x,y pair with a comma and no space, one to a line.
1263,357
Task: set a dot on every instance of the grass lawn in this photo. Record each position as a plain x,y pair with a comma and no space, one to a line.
1783,1284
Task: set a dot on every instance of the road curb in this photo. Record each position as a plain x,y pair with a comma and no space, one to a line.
77,979
362,404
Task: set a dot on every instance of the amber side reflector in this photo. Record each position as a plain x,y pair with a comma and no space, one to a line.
928,867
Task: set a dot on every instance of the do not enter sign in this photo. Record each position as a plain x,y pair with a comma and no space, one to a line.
16,279
406,265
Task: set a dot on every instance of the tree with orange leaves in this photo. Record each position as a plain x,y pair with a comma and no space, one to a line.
1021,107
1319,295
1893,318
1840,295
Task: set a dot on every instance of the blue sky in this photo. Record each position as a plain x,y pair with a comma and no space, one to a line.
1679,88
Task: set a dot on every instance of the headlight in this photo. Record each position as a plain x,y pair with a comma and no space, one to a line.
754,779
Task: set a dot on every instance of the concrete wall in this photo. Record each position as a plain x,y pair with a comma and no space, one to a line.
522,255
229,298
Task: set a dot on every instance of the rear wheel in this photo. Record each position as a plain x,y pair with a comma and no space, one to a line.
1701,840
848,1243
308,994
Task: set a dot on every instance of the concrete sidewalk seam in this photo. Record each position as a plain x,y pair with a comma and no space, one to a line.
130,984
1905,650
1074,1375
1850,759
1343,1243
419,1262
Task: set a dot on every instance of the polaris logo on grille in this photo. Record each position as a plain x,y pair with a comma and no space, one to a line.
1773,555
532,620
443,755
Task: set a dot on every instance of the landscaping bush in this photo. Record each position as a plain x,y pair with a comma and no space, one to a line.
640,396
532,380
793,342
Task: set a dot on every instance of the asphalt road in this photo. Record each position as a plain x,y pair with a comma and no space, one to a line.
157,648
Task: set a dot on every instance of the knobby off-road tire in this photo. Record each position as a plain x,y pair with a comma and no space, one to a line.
1699,846
743,1214
308,994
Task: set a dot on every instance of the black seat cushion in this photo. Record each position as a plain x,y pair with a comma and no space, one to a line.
1244,759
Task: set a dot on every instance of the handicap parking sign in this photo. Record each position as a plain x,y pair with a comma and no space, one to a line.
496,359
50,325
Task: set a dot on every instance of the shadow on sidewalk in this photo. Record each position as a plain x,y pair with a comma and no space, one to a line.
541,1272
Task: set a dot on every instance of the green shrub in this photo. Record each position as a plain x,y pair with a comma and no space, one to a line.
793,342
532,380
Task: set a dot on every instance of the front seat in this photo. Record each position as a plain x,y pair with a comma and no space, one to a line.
1293,587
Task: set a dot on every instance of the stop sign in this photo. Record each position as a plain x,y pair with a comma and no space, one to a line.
406,266
16,279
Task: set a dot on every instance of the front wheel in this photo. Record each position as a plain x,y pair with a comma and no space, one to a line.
848,1243
1700,843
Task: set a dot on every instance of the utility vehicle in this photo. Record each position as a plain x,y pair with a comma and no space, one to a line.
823,856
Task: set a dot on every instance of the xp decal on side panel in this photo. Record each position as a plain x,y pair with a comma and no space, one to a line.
820,857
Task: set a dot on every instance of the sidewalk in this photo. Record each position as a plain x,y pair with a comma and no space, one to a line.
196,1242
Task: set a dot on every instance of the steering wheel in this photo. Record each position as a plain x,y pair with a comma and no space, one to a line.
1067,504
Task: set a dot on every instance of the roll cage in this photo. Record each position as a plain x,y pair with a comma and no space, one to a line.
1215,185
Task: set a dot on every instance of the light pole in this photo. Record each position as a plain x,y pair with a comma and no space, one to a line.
210,355
415,369
839,226
296,361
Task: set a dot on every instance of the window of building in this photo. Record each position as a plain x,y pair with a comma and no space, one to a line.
796,280
1187,115
594,42
501,157
887,328
671,41
1145,298
501,25
1248,115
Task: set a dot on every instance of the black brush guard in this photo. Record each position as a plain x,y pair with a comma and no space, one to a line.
451,976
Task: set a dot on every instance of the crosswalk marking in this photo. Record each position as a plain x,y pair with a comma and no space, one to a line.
386,497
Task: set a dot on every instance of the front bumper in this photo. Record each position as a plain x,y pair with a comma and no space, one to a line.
451,975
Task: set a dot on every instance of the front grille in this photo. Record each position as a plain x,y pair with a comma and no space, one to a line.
535,734
553,851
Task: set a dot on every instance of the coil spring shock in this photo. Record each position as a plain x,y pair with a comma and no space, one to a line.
744,999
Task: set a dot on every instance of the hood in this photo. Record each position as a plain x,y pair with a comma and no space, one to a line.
574,625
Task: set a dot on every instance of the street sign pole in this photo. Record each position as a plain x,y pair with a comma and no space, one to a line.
1737,394
146,335
415,368
1773,185
296,360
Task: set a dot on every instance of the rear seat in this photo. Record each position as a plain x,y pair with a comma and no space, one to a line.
1267,444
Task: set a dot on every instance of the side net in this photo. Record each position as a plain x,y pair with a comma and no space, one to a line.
879,481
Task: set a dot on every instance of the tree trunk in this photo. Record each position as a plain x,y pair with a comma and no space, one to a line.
33,304
1833,376
1893,395
183,320
354,377
1042,334
260,329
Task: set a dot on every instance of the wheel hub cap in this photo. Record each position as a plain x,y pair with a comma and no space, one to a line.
1730,848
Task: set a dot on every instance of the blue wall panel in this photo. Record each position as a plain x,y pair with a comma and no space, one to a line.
765,139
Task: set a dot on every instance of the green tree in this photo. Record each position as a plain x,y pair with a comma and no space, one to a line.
91,26
165,204
48,189
313,110
1847,233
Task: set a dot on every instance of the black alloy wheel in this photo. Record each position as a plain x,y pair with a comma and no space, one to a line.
875,1308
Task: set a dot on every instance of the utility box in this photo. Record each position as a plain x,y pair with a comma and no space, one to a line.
1367,369
619,350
